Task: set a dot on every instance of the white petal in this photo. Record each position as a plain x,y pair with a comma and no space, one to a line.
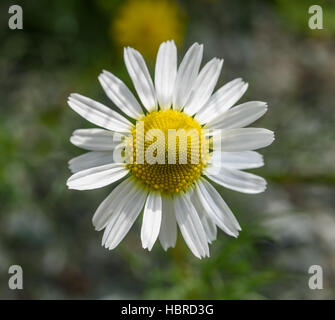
90,160
97,177
190,226
96,139
204,86
244,139
207,222
168,232
116,199
236,180
141,78
119,93
187,75
218,213
239,116
98,113
152,218
217,208
209,227
237,160
165,73
122,220
223,99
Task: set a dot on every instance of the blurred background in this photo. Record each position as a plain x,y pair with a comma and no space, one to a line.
47,229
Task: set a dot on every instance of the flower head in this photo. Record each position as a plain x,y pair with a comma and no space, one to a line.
184,136
144,24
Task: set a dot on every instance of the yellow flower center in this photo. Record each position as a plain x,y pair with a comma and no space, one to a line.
167,151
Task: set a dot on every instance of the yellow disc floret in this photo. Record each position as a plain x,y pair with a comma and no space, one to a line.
167,151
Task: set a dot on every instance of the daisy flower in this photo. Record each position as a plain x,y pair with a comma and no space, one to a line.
170,193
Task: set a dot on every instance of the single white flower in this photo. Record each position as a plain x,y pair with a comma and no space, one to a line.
169,194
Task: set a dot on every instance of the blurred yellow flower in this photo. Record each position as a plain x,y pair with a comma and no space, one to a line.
144,24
